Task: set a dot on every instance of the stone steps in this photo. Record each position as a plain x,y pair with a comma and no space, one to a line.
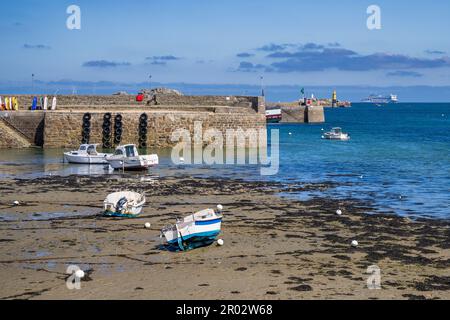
11,138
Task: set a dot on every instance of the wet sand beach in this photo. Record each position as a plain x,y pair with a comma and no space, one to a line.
275,247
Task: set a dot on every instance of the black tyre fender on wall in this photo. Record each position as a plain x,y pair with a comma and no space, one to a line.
143,131
118,125
118,131
143,117
106,124
87,117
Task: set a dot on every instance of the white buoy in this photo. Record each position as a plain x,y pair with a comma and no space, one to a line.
361,177
354,243
16,203
147,225
79,273
290,133
181,160
219,207
220,242
339,212
322,129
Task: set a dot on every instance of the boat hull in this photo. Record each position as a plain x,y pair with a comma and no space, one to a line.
82,159
197,235
132,164
194,241
108,213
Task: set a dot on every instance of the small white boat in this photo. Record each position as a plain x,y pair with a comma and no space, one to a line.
336,134
126,157
86,154
197,230
126,204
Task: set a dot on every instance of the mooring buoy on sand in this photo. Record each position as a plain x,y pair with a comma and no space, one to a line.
79,273
220,242
339,212
355,243
16,203
147,225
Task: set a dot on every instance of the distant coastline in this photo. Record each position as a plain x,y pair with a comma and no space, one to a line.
274,93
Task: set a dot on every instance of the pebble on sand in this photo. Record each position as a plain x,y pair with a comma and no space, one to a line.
355,243
339,212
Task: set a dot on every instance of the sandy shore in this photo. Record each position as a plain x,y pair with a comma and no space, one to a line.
275,247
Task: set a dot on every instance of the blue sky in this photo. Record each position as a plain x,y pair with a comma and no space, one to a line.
319,42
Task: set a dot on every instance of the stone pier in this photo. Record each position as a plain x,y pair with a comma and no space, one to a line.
63,128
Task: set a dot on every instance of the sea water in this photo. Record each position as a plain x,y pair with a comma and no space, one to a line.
398,159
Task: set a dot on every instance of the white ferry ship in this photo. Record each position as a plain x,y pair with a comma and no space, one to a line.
392,98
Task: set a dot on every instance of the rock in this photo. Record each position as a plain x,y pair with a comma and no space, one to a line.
161,91
121,93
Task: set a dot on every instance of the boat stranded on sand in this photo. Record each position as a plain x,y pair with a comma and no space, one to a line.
86,154
197,230
336,134
125,204
127,158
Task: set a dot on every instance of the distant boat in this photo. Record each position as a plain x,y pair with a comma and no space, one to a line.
377,99
273,114
336,134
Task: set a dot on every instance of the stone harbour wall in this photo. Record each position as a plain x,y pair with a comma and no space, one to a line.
314,114
64,129
64,126
300,114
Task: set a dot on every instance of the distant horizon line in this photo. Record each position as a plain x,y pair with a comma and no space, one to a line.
156,83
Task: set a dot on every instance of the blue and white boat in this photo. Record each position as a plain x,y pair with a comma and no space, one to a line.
196,230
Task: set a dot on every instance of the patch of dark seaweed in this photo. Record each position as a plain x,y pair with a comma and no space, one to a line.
433,283
303,287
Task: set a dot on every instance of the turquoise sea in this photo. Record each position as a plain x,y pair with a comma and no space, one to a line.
398,159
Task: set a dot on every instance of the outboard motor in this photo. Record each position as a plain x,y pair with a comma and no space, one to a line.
121,204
